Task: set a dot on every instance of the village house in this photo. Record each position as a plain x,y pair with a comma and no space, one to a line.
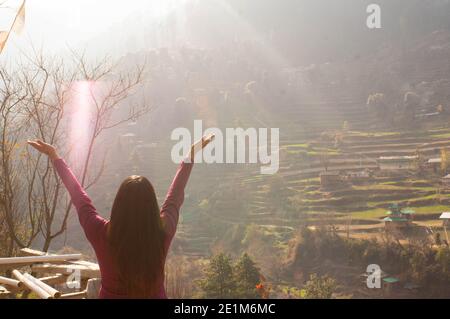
330,179
397,162
445,217
390,284
434,164
358,176
398,218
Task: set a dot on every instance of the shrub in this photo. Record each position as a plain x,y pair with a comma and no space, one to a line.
320,287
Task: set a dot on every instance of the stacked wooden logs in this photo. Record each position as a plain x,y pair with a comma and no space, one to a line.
48,276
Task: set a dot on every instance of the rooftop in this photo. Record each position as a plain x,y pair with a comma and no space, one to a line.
445,216
129,135
391,280
398,158
434,161
395,210
328,173
395,219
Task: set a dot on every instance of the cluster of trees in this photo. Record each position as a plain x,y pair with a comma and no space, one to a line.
224,278
227,280
403,111
36,99
380,107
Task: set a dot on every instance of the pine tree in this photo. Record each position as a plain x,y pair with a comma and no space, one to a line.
219,281
247,278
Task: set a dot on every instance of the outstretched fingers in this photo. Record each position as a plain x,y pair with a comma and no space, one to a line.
206,140
40,146
33,144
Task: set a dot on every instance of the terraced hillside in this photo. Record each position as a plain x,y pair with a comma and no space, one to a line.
235,197
359,204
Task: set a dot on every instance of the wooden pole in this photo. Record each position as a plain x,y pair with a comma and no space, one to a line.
10,282
30,284
38,259
84,271
32,252
74,295
88,264
50,290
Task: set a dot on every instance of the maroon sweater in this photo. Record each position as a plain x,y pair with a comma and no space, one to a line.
95,226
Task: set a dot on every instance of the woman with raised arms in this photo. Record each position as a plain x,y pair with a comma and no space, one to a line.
132,246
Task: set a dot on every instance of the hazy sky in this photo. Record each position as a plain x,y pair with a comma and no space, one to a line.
56,23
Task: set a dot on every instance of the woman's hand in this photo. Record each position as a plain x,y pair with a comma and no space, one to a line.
200,145
44,148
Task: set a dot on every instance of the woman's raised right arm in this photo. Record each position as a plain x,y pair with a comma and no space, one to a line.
170,210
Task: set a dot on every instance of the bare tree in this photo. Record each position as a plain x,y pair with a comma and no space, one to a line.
13,94
34,100
181,276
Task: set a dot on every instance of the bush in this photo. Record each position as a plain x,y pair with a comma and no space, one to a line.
319,287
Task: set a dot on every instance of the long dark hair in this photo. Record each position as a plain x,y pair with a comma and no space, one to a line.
136,238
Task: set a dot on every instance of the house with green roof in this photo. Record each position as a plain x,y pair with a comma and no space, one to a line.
398,218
